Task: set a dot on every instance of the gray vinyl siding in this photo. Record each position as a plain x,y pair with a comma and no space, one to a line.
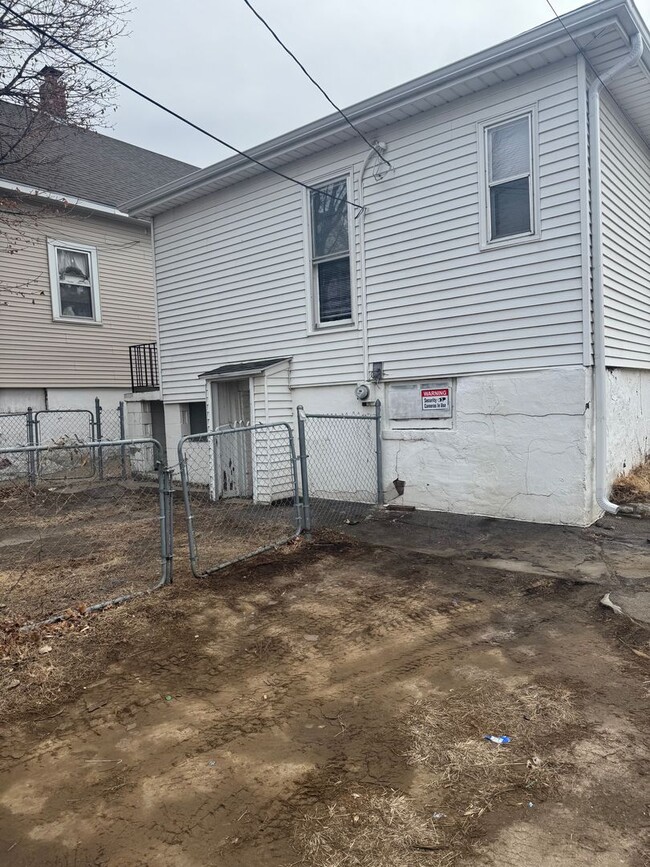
626,240
38,352
232,269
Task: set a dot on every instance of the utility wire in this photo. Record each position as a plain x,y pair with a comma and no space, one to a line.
42,32
578,46
316,84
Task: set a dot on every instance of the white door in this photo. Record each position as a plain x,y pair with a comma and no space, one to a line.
233,461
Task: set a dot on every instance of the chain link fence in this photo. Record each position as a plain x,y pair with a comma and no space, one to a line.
80,531
341,472
14,429
240,493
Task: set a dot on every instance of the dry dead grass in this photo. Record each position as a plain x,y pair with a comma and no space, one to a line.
462,776
366,829
633,487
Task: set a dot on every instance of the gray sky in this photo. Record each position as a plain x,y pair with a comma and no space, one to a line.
212,60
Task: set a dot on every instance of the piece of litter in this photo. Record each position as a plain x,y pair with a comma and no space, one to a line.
168,698
530,804
211,763
497,739
103,761
438,816
45,648
354,794
311,638
607,602
196,636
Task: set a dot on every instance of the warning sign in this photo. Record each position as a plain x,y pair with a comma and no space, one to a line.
434,398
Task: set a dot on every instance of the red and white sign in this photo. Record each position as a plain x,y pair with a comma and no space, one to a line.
434,398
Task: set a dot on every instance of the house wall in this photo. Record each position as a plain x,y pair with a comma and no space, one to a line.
516,448
626,240
628,441
38,352
232,275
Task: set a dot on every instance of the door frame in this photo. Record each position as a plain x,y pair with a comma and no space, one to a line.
217,490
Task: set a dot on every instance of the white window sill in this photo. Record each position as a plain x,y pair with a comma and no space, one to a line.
509,242
335,326
76,320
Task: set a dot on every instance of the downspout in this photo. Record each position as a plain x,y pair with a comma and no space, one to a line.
381,147
597,291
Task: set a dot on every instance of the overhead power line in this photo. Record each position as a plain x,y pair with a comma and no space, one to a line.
316,84
578,46
44,33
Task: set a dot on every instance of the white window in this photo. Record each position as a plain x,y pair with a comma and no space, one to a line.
330,253
509,179
73,282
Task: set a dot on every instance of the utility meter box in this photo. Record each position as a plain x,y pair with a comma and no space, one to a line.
428,399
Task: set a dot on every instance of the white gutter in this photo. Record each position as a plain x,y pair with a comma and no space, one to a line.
597,290
72,201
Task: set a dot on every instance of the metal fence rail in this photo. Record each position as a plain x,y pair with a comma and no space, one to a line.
240,493
72,538
341,466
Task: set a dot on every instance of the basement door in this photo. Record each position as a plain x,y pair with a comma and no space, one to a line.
233,451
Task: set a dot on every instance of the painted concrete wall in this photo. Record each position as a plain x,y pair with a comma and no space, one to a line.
518,447
628,414
57,424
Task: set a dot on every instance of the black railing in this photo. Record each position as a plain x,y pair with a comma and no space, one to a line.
143,358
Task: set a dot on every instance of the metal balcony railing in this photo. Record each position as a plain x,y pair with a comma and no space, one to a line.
143,358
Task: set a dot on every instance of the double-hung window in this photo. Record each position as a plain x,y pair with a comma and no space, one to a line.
330,253
510,182
73,282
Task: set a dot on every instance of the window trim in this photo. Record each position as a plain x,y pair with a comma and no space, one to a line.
485,222
314,325
55,294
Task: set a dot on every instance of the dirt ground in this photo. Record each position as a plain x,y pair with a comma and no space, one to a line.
327,705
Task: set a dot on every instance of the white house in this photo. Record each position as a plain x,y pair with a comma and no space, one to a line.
459,282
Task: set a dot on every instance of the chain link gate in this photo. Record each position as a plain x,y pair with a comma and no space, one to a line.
240,492
341,466
70,536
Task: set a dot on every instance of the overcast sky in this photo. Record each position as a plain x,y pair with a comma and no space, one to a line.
212,60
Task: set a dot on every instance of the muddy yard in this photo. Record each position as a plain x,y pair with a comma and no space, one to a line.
327,705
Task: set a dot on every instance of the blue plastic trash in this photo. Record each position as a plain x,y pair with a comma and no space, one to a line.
494,739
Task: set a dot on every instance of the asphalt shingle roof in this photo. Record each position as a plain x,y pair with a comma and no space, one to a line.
84,164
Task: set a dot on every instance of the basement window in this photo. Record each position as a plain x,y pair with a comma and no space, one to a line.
74,284
330,253
509,181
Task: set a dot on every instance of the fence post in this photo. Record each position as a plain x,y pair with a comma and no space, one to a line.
304,474
98,436
120,415
185,482
166,494
378,447
31,441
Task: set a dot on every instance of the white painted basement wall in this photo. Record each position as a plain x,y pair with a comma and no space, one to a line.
231,266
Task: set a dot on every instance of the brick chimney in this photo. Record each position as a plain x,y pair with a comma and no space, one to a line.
52,93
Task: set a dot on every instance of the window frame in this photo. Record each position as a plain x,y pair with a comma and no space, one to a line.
486,240
53,246
314,325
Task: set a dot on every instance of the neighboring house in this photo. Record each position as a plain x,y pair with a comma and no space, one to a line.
76,274
462,294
